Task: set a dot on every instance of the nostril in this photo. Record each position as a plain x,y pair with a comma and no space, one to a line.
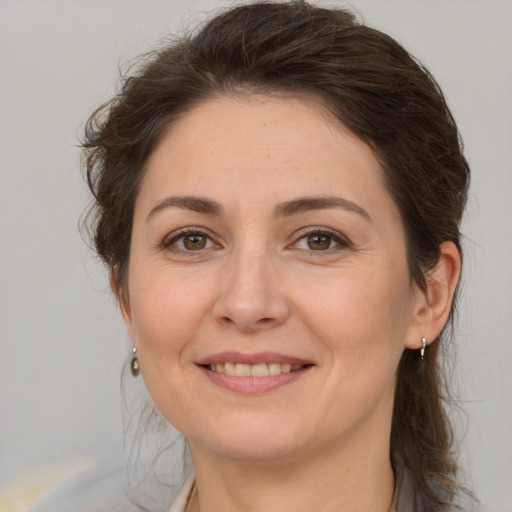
251,310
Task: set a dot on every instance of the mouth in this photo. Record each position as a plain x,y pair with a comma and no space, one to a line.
254,370
255,373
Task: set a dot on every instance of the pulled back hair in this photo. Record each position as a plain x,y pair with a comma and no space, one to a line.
375,89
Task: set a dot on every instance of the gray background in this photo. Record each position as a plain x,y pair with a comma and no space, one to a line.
62,341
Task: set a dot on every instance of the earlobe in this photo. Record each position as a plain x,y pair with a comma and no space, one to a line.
433,306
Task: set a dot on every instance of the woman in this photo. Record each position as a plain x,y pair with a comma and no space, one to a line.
278,200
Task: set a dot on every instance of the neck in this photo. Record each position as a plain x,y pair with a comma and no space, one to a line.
355,477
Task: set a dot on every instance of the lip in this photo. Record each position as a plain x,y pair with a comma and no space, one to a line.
255,358
253,385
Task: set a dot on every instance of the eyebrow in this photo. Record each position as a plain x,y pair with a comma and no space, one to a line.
286,209
195,204
304,204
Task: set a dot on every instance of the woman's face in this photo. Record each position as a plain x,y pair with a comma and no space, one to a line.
268,292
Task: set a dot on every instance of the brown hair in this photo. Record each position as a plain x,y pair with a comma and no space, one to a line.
376,89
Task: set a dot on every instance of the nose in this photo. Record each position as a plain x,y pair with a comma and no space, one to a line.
249,296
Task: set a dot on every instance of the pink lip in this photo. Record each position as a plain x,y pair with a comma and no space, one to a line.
260,357
253,385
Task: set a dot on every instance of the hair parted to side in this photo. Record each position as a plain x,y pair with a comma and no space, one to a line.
375,89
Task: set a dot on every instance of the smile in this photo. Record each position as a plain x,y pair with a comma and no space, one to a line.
253,373
254,370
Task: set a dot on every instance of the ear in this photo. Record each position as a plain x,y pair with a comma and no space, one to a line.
432,306
122,298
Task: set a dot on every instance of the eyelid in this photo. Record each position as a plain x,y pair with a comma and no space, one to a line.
342,240
174,236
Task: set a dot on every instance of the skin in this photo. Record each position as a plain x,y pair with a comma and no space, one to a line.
258,284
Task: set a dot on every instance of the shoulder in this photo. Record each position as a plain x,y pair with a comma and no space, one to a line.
181,501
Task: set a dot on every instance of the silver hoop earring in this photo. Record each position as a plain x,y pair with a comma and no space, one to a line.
423,347
134,363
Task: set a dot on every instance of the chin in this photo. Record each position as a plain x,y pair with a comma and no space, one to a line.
256,451
257,441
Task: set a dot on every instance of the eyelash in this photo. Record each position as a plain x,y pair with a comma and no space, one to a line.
168,243
340,241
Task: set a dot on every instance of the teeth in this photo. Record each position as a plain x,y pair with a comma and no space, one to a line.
242,370
286,368
274,369
254,370
228,368
259,370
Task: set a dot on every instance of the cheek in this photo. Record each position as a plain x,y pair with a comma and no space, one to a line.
360,312
164,315
163,324
362,322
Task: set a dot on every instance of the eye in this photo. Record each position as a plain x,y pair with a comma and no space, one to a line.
321,241
189,240
194,242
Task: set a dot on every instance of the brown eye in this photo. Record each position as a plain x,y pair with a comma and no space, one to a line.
189,240
194,242
319,242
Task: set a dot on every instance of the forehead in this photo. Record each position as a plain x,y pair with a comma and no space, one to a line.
262,149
